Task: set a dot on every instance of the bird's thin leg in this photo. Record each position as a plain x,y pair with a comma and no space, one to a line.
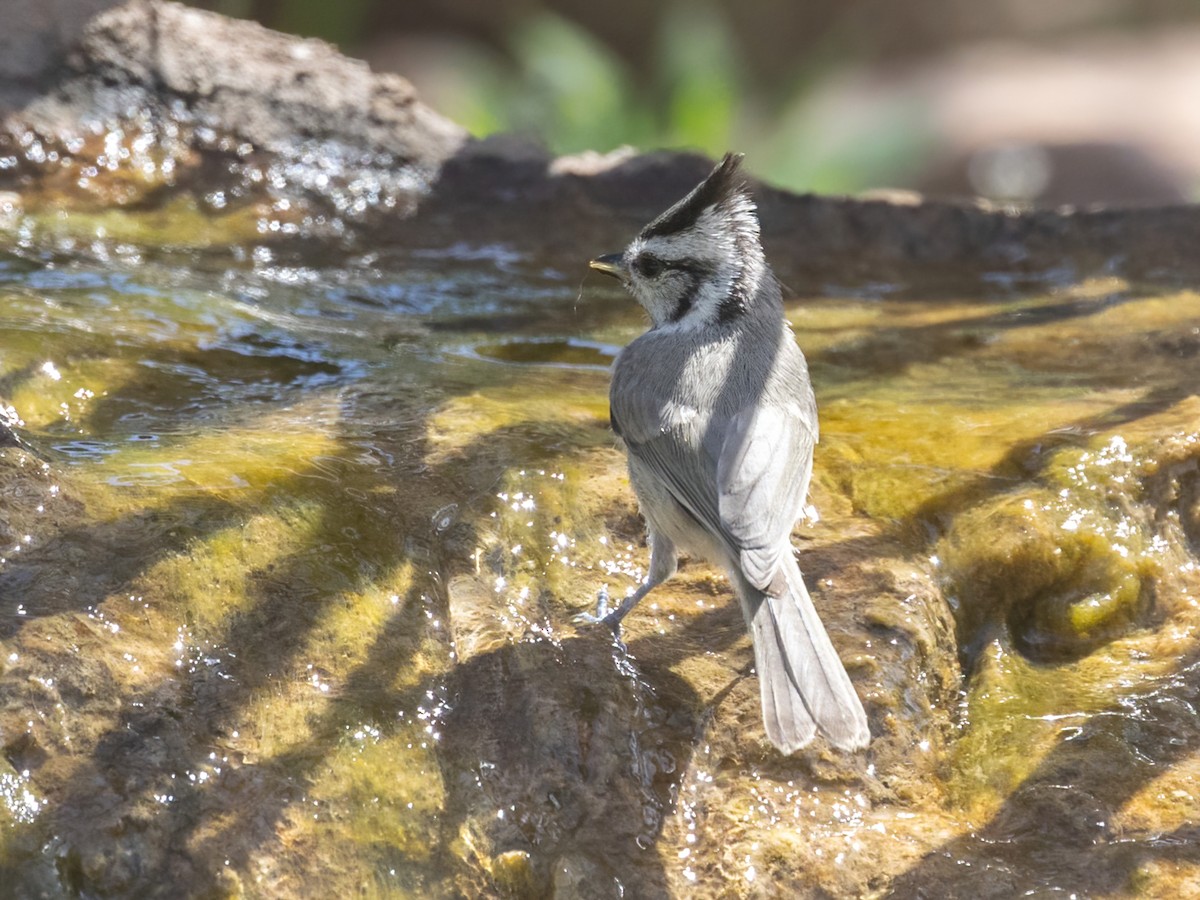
657,577
663,560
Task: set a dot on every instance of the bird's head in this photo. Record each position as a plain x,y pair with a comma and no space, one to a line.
699,263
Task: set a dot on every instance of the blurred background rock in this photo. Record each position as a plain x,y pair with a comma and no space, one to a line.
1040,102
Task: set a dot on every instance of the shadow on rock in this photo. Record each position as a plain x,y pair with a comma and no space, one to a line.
149,811
561,762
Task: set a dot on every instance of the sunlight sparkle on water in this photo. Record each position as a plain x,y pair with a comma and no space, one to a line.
20,801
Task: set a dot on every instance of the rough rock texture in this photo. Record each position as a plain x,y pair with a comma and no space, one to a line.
874,237
239,78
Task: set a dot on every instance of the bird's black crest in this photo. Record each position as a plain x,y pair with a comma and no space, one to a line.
722,182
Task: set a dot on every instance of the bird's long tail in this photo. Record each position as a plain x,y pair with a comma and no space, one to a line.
803,683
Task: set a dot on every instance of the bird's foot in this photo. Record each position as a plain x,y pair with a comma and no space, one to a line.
602,615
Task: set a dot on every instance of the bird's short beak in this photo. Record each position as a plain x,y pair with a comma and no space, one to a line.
610,264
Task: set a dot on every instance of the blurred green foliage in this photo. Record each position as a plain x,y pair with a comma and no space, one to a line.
555,81
342,22
563,86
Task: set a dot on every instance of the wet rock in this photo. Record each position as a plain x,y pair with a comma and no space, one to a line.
255,84
1057,592
602,201
578,876
1172,481
157,96
514,874
36,503
1073,816
539,766
1075,561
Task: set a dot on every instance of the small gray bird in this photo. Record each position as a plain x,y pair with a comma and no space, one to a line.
717,414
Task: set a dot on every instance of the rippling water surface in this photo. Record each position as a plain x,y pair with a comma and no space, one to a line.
291,549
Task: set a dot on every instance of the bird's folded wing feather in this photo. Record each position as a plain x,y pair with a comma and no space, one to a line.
653,435
746,481
689,478
763,468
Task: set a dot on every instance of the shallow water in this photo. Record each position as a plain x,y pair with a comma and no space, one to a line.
293,549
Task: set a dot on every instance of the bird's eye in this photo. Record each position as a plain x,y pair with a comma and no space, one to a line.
648,265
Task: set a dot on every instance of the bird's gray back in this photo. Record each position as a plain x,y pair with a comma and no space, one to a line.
679,398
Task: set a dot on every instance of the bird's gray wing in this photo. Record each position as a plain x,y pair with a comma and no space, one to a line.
763,468
652,435
745,481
